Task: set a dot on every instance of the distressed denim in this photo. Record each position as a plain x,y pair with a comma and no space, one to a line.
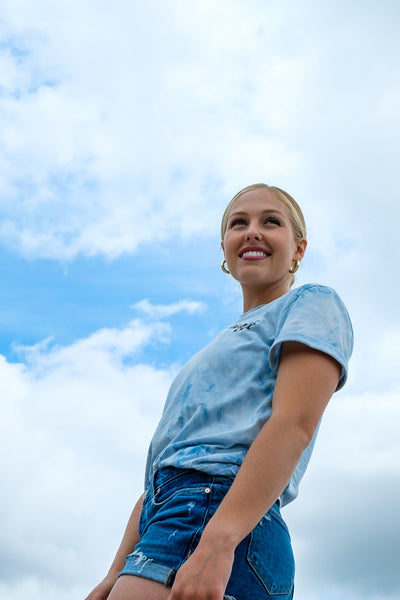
176,509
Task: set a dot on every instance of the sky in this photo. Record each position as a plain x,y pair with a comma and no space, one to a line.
125,129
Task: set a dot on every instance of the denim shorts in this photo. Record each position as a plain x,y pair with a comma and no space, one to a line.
176,509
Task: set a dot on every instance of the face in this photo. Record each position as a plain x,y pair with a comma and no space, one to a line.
259,244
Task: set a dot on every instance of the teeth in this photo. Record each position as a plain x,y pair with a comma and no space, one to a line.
254,253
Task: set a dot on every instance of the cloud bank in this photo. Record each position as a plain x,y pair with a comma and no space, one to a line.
125,130
76,424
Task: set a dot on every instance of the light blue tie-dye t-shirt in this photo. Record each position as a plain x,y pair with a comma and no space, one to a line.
222,397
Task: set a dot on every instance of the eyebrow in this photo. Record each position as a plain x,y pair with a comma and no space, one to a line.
263,212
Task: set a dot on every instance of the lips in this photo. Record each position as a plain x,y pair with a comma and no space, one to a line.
254,252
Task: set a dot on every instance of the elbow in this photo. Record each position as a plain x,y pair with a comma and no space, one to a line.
304,434
306,427
299,432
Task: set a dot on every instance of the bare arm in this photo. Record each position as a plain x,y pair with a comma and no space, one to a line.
306,380
128,543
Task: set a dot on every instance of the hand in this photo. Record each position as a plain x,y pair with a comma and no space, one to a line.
205,574
103,590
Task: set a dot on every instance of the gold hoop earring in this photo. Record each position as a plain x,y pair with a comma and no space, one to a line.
223,267
294,267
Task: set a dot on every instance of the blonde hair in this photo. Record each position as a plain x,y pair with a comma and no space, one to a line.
296,216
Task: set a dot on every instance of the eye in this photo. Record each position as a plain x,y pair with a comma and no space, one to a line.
237,221
273,221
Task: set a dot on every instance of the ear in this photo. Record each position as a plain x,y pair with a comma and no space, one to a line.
222,246
300,249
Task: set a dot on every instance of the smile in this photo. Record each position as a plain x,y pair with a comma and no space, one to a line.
254,254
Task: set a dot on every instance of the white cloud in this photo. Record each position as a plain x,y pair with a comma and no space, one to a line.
345,526
159,311
111,145
36,588
76,423
101,344
112,140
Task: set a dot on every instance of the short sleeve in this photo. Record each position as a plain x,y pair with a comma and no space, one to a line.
317,318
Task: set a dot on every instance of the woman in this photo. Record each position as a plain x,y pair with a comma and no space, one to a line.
239,426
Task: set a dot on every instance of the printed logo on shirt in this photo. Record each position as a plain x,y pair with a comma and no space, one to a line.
241,326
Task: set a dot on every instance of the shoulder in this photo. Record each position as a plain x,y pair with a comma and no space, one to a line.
314,289
305,301
315,294
316,316
319,302
305,297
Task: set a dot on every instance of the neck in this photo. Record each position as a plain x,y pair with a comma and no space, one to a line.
254,296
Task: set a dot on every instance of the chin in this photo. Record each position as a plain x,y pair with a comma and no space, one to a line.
256,281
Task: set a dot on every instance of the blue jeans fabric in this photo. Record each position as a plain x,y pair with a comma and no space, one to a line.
176,509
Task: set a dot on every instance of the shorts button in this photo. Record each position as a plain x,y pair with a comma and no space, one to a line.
207,490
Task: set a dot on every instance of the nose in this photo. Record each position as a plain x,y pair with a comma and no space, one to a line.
253,232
